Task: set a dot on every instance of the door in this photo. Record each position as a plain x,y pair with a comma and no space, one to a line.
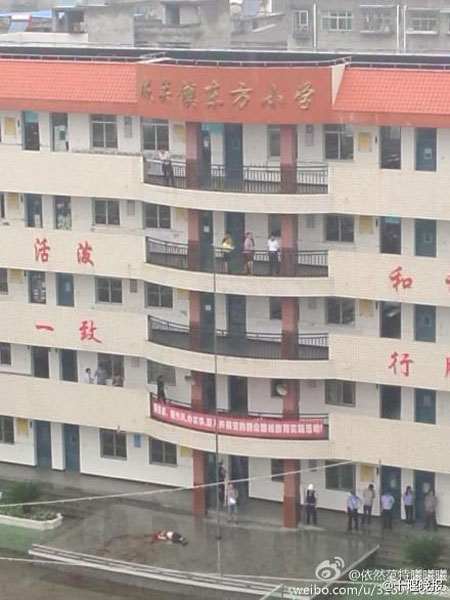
64,289
207,240
391,481
237,395
33,208
239,470
39,362
391,402
205,160
43,444
210,476
208,321
235,226
31,131
236,316
234,155
69,369
72,447
423,482
390,235
60,130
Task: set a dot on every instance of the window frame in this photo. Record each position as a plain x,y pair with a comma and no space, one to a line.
418,308
277,470
167,452
34,276
63,200
108,211
342,133
4,287
341,228
333,20
273,141
418,18
115,435
333,467
422,392
162,293
154,369
275,308
103,122
160,221
154,128
343,389
5,353
6,429
114,364
107,284
341,309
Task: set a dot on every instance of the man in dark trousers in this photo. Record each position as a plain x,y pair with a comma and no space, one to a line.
311,505
387,505
353,502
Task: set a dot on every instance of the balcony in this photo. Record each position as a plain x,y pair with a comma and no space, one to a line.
246,345
311,179
305,263
254,425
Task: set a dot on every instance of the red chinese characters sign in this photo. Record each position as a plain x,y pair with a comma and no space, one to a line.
261,427
399,280
238,94
400,363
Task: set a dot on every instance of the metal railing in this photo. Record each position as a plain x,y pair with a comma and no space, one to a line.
311,179
310,346
192,257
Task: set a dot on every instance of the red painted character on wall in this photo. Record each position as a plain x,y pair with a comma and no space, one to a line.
41,250
404,363
87,331
84,252
398,279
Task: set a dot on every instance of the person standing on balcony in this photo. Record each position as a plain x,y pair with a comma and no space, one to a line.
408,503
101,375
227,246
88,376
353,502
430,502
160,391
249,253
368,498
387,505
311,505
167,168
273,245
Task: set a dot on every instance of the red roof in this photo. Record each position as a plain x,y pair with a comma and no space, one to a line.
400,91
32,82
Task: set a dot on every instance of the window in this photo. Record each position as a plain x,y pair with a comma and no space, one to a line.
339,477
390,235
37,287
113,444
425,237
7,430
172,15
40,366
276,387
424,323
3,281
273,141
63,212
60,132
5,353
338,142
391,402
377,20
339,228
65,295
106,212
155,369
109,290
390,148
31,131
340,311
33,209
274,225
2,206
127,127
422,21
104,131
163,453
391,320
158,295
156,216
277,469
340,393
426,149
300,23
155,134
112,364
339,20
425,406
274,308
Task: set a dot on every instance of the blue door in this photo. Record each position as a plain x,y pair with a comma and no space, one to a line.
391,481
72,447
234,155
43,444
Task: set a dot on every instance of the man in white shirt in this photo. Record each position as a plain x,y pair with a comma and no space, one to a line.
387,504
353,502
88,376
273,246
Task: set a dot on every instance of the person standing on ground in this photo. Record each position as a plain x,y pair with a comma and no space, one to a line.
222,477
227,246
249,253
368,498
387,505
231,501
311,505
273,246
408,503
160,391
429,503
353,502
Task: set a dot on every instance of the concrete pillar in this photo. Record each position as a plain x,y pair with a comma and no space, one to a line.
195,320
193,154
291,493
199,457
194,232
288,158
289,245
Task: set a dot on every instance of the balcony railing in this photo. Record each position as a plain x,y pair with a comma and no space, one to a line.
309,346
255,425
307,263
311,179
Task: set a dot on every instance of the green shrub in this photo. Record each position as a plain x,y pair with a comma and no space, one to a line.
424,551
22,492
